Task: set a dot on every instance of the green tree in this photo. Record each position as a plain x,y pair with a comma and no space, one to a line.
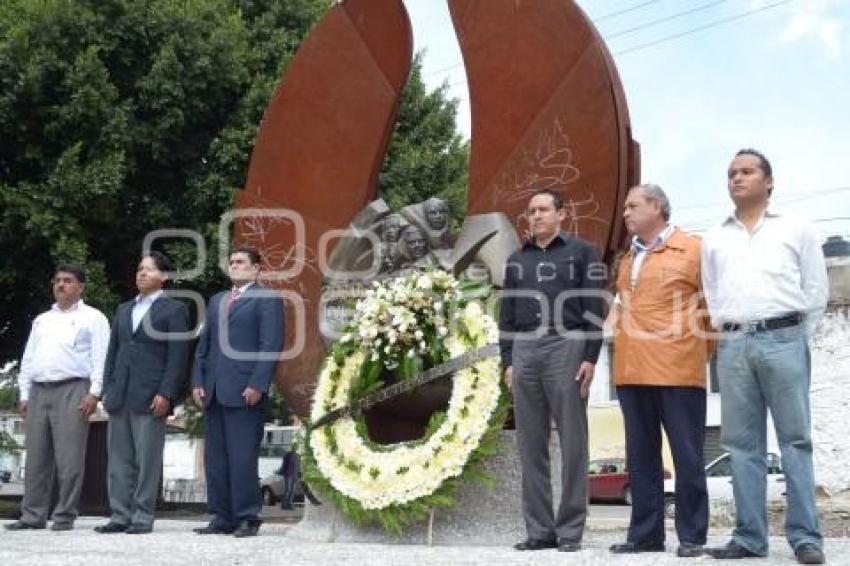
8,445
427,156
118,117
9,387
8,396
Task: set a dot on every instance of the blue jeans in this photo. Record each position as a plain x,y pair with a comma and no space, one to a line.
760,371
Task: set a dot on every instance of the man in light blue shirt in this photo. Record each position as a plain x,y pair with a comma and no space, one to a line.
145,367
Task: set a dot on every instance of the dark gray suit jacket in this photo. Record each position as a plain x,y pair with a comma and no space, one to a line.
138,365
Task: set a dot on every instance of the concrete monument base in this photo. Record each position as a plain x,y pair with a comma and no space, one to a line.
481,516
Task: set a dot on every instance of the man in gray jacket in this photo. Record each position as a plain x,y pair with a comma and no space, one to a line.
145,366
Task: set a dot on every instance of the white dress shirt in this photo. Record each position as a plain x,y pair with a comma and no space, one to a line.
775,270
63,345
142,306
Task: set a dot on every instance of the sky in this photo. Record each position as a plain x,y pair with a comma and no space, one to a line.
768,74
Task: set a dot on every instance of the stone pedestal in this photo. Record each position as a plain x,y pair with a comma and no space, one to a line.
481,516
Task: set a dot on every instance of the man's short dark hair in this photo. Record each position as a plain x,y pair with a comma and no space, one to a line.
557,200
161,261
252,253
74,269
763,162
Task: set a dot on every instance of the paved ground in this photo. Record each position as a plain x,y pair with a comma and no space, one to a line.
172,543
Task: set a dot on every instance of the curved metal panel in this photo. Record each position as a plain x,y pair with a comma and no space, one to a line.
548,111
318,153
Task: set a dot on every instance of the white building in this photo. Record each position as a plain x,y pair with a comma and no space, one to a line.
12,423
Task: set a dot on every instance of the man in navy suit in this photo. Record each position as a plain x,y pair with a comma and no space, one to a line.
234,363
144,369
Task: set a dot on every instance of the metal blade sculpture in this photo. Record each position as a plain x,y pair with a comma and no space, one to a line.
548,111
319,151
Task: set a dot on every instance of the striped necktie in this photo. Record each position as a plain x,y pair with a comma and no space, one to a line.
234,294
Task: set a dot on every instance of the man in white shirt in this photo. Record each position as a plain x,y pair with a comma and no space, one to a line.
60,384
766,287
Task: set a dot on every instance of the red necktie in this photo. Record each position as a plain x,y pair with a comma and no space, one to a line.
234,294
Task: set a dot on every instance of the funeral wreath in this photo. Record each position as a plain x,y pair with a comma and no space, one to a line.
400,327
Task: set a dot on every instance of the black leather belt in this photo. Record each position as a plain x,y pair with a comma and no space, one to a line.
60,382
548,330
775,323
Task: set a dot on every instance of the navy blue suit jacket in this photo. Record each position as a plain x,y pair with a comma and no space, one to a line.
138,365
255,324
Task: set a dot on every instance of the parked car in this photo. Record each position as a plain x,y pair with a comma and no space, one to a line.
271,487
608,480
718,476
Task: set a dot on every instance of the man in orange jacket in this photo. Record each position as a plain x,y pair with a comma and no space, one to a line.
660,355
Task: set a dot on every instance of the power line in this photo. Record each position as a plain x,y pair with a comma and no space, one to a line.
671,17
705,227
710,25
639,47
621,12
705,224
442,70
596,20
702,224
784,198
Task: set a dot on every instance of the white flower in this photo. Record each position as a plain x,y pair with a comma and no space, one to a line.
398,308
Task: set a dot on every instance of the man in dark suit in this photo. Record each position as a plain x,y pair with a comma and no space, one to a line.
234,363
145,366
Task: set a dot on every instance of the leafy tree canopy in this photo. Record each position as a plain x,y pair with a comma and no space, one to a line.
119,117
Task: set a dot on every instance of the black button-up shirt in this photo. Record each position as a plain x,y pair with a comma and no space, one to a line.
567,265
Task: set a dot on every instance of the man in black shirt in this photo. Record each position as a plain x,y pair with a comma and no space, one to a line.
551,333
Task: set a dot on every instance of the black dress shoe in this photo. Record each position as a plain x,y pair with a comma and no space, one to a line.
247,529
62,526
110,528
630,547
732,551
21,526
535,544
212,529
138,529
689,550
809,553
566,545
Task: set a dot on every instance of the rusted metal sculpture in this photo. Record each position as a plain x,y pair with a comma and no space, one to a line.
318,153
548,111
